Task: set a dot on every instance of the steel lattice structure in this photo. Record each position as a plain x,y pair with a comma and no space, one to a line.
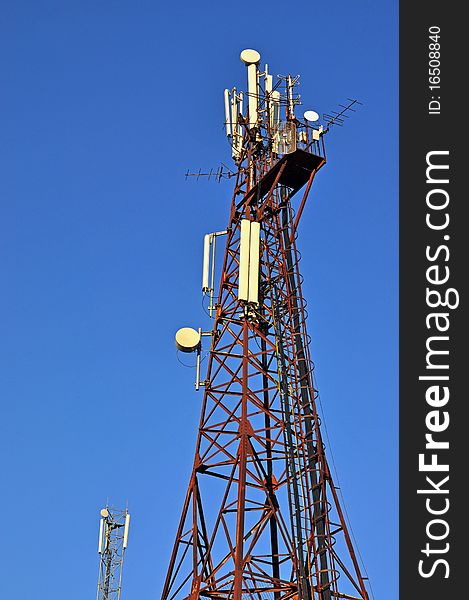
113,538
261,518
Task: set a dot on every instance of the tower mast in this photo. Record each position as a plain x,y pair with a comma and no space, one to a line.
261,518
113,540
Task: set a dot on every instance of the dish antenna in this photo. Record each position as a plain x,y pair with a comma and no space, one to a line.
187,339
250,57
190,340
311,116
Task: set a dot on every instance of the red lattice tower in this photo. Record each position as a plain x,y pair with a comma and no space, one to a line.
261,518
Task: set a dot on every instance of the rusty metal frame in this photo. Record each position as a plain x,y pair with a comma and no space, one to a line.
261,518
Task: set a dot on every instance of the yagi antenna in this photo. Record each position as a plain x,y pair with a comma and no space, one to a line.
338,117
223,172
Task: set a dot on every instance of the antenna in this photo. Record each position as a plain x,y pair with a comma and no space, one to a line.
126,531
206,265
222,172
268,82
227,112
101,535
210,241
113,540
338,117
249,244
189,340
311,116
251,59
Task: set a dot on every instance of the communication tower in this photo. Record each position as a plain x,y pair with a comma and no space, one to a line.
261,518
113,540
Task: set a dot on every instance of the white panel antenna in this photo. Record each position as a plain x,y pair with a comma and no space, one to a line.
206,264
240,128
248,284
254,247
234,112
236,130
316,133
275,120
226,95
243,285
268,83
208,268
126,531
101,536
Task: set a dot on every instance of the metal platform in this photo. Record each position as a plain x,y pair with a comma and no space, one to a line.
294,170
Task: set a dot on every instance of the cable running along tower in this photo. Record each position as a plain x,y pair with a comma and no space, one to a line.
261,518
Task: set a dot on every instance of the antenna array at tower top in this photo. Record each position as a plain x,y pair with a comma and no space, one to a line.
264,116
264,119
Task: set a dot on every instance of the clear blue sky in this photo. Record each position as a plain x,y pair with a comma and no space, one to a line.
104,106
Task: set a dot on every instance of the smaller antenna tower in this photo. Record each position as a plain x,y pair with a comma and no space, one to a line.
113,539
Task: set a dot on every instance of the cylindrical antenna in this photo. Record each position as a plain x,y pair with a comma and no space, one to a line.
268,96
291,111
275,114
275,120
126,531
234,111
234,124
239,127
251,59
212,277
252,91
197,367
268,79
227,112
